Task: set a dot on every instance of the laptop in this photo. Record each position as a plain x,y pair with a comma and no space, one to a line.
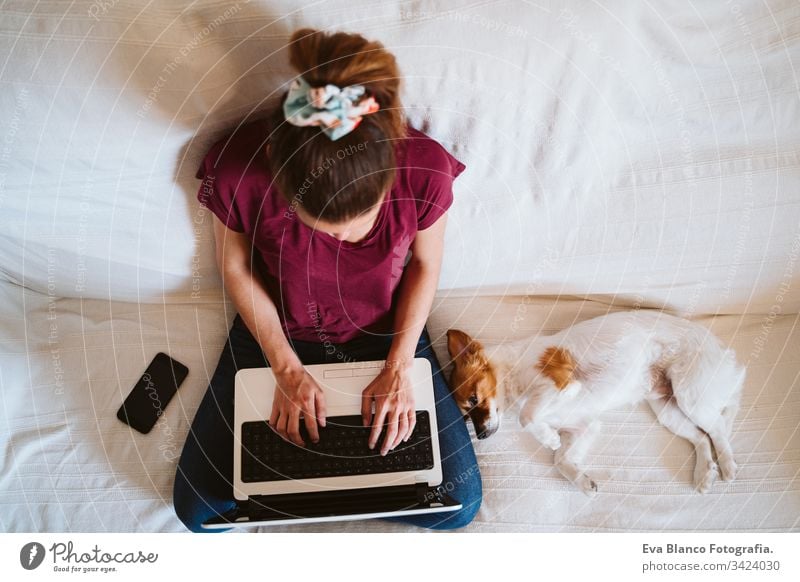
339,478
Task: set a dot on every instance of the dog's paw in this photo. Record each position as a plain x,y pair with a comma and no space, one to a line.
587,485
546,435
728,469
705,473
549,438
553,441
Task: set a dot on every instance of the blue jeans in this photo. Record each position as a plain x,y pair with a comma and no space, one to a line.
203,482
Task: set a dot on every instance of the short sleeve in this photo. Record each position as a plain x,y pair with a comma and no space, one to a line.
437,195
215,192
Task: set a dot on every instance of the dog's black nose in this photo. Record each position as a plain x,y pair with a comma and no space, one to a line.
485,432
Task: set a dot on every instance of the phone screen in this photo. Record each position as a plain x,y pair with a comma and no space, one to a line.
151,394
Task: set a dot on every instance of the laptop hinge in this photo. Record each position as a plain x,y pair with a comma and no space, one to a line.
341,502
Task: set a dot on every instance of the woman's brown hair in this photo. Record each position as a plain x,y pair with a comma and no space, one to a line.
337,180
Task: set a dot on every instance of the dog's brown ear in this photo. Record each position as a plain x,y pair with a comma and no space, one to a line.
459,343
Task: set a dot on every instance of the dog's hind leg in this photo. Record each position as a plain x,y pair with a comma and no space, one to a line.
719,423
719,437
674,419
568,457
707,389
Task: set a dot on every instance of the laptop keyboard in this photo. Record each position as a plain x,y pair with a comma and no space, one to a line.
342,450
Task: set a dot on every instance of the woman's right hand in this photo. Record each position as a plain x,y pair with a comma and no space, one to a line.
297,394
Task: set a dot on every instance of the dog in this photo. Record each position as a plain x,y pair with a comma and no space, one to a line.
690,380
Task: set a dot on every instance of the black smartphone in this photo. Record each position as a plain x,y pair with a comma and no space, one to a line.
151,394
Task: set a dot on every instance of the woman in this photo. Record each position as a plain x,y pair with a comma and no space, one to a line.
316,209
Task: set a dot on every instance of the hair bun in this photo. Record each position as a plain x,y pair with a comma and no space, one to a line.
345,59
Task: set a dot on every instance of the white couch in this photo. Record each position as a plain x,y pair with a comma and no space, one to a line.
617,156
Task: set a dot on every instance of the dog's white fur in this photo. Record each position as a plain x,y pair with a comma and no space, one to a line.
624,358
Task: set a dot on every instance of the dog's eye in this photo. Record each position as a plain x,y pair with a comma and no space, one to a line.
473,400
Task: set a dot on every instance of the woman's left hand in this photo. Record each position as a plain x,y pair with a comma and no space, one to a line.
393,395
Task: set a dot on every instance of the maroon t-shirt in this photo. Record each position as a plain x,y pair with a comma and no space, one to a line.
326,289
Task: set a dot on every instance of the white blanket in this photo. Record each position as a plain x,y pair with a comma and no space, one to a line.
642,153
635,154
